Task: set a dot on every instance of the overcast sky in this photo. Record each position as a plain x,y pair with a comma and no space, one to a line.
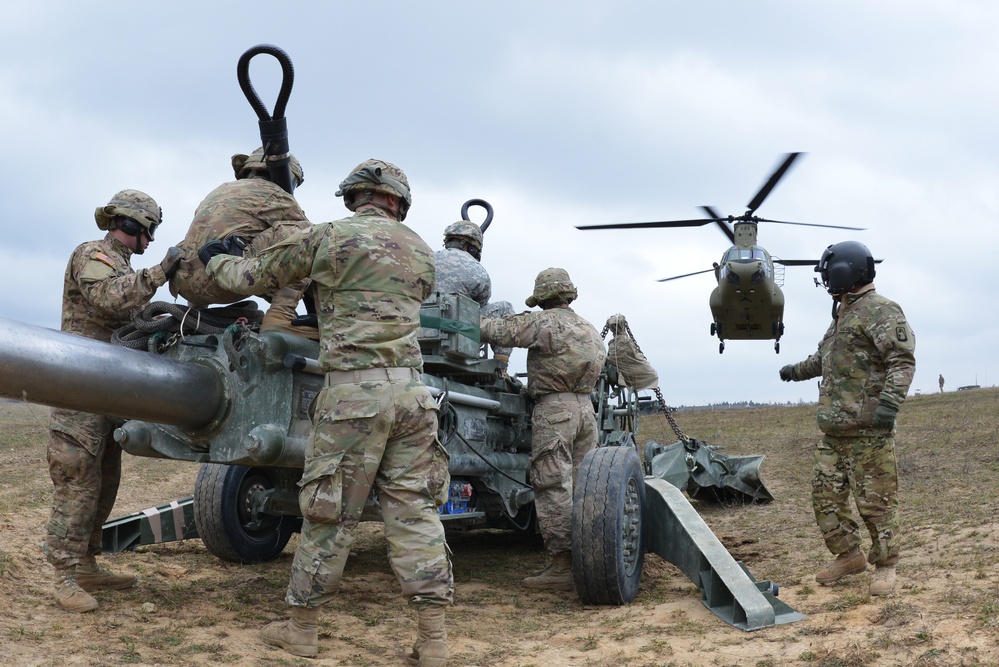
558,114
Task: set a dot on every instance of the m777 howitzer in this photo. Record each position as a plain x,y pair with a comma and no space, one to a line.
237,402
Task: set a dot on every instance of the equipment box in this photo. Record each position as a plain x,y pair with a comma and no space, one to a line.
449,326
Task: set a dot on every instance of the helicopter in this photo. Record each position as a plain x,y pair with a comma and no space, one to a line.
748,303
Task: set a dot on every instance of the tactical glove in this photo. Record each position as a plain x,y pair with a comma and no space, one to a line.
232,245
787,373
171,262
884,414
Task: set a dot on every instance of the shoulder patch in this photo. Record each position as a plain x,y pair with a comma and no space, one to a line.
902,333
100,256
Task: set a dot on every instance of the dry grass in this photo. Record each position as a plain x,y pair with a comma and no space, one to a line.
205,612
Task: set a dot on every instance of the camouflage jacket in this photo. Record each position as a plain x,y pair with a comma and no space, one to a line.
460,273
867,355
372,274
101,292
564,352
252,208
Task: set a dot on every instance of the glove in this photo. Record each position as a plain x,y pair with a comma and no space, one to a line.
232,245
171,262
309,320
884,414
787,373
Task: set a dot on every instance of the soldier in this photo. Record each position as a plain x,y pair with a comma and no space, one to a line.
244,217
459,271
101,293
941,382
375,421
866,361
564,359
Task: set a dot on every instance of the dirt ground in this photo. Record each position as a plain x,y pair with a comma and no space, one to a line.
190,608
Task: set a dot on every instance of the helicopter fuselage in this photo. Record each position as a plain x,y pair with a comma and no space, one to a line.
747,304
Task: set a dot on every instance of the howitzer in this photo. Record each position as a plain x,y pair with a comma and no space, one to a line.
238,403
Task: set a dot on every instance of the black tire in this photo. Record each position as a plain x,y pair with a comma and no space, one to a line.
223,519
607,540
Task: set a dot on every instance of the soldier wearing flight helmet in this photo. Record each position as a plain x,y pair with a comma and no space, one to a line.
866,361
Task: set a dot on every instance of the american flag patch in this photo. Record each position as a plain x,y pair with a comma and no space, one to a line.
104,258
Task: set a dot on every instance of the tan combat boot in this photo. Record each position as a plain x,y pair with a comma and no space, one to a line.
557,576
68,593
92,577
884,580
430,649
851,562
298,635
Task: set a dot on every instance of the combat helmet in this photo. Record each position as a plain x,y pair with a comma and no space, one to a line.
465,232
375,176
132,211
245,166
552,284
844,266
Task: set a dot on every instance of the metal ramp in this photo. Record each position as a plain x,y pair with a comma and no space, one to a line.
675,531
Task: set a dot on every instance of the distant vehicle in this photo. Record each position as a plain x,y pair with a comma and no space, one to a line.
748,303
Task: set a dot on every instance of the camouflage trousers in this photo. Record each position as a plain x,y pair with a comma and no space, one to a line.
865,466
564,429
381,435
85,467
495,310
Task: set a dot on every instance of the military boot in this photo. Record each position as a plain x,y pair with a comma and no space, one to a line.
430,649
281,313
851,562
557,576
298,635
68,593
884,580
92,577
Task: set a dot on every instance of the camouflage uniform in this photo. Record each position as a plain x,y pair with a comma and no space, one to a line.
866,356
460,273
564,358
376,422
101,293
254,209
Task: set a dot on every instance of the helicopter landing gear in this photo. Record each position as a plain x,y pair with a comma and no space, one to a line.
721,347
777,348
714,329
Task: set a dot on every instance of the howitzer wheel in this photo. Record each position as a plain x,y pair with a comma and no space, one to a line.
223,496
607,545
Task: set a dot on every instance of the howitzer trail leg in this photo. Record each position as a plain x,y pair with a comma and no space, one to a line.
298,635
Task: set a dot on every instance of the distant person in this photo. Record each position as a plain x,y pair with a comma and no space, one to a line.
101,292
941,381
565,355
375,422
866,361
243,217
459,271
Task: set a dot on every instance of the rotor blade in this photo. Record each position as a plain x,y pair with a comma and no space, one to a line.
796,262
695,273
808,224
721,222
774,178
649,225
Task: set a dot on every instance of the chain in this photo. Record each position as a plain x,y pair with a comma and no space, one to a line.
667,410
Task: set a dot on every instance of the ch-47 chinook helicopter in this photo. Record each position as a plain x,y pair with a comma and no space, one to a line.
748,303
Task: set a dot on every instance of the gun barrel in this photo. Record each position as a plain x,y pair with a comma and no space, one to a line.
61,370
